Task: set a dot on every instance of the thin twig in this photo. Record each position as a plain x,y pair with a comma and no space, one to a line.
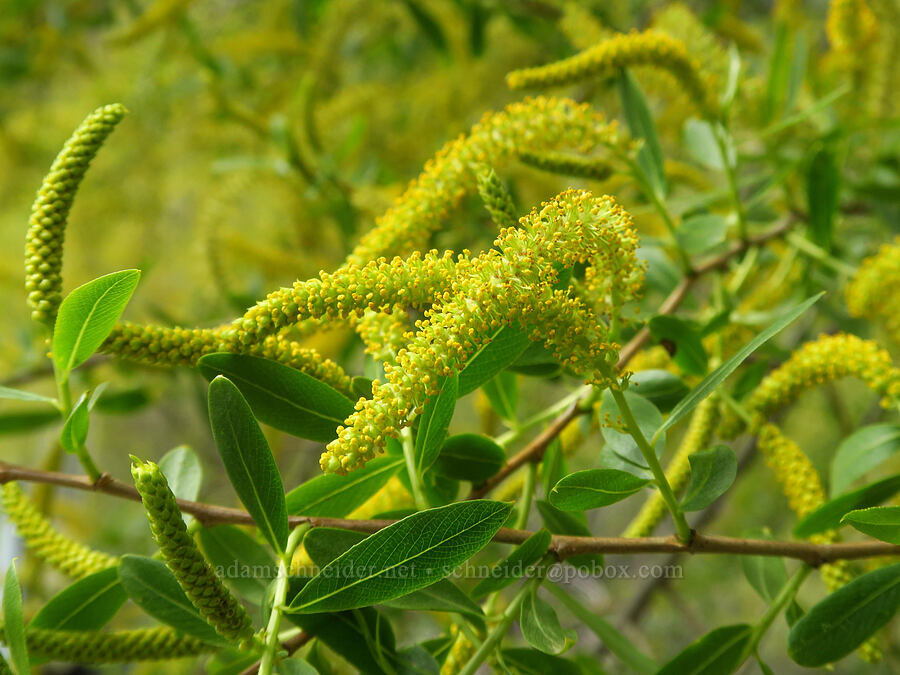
290,645
563,546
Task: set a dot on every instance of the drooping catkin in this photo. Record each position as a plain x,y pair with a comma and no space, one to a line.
621,51
50,211
145,644
567,164
195,575
496,198
698,435
69,557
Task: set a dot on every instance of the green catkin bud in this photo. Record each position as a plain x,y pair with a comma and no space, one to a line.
69,557
515,282
50,211
649,48
567,164
195,575
698,435
829,358
146,644
801,484
496,198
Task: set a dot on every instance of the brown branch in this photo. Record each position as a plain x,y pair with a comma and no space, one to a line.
534,451
563,546
290,646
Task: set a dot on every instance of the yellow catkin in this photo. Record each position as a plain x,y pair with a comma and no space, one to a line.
870,294
829,358
460,652
649,48
801,484
50,211
567,164
515,282
496,198
698,435
69,557
147,644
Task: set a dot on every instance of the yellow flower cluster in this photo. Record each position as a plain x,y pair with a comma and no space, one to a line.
829,358
870,293
622,51
50,211
460,652
146,644
851,26
698,435
68,556
512,283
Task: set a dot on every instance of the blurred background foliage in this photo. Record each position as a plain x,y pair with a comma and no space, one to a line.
264,137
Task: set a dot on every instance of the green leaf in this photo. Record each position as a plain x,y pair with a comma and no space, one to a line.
828,516
334,496
241,561
822,187
594,488
712,473
123,401
532,662
701,232
779,72
662,388
764,668
845,619
504,347
88,604
153,588
516,565
503,393
248,460
766,574
641,125
881,522
86,317
361,387
183,471
295,666
681,341
19,395
568,522
712,381
862,451
470,457
540,625
14,622
719,652
398,559
75,429
615,641
700,142
324,544
648,418
281,396
434,422
14,423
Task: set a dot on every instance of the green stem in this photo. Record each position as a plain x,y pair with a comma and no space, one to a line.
735,407
722,137
808,248
785,595
527,494
273,643
64,394
509,615
409,454
665,490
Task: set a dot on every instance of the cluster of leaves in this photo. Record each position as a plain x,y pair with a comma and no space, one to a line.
750,206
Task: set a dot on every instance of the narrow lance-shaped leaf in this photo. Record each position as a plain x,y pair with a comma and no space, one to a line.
822,183
506,345
14,622
399,559
719,652
335,496
540,625
712,381
845,619
881,522
242,561
641,125
248,460
87,315
593,488
469,457
516,565
75,429
183,471
433,423
828,516
712,473
19,395
281,396
88,604
863,450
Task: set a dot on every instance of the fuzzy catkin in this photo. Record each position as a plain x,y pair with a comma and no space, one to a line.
870,292
50,211
496,198
145,644
699,433
69,557
514,282
622,51
567,164
195,575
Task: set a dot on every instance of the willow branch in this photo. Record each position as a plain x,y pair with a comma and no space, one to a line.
563,546
535,449
290,645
